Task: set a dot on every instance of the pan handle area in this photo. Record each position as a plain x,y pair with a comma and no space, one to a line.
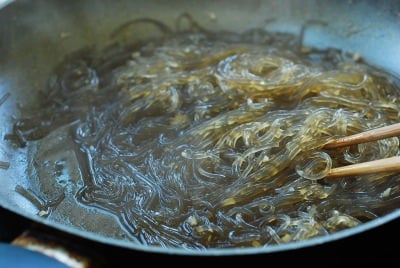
45,245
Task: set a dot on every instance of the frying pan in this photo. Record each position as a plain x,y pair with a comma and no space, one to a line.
36,35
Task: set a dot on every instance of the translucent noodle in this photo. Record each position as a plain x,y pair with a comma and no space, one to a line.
215,140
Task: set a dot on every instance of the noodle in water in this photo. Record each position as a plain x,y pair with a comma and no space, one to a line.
215,140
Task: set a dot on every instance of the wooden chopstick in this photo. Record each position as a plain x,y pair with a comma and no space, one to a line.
390,164
366,136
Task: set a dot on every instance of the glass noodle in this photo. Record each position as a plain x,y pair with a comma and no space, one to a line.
202,139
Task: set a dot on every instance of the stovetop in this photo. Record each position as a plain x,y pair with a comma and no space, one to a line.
378,246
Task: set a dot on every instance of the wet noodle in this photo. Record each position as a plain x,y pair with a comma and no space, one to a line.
214,140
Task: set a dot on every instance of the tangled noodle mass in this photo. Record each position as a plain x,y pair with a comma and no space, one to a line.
215,140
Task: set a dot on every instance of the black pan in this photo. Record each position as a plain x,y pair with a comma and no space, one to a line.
35,35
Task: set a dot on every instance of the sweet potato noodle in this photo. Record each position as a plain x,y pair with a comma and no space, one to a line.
202,139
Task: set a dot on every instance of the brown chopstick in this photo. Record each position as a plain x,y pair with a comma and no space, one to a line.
366,136
390,164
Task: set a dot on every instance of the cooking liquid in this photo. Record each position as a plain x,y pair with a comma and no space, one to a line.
197,139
